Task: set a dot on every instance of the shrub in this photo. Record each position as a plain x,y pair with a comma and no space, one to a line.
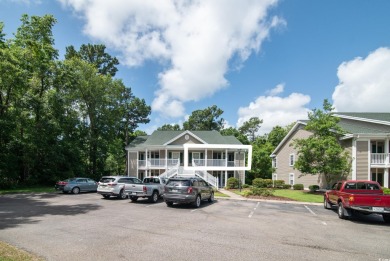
245,185
232,183
313,188
247,193
298,186
265,192
286,186
278,183
386,191
262,183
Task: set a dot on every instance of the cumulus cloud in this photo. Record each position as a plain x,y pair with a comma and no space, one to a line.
275,110
364,83
194,39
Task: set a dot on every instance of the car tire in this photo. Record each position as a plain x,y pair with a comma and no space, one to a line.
122,195
327,205
106,196
211,199
154,197
386,218
133,198
197,201
75,190
169,203
341,211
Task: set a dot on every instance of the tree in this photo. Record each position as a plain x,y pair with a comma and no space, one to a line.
207,119
95,55
169,127
276,135
236,133
251,127
321,154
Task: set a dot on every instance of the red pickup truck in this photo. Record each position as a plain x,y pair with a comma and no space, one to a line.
358,195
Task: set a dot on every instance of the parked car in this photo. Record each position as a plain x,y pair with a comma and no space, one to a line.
76,185
151,188
360,196
115,186
187,190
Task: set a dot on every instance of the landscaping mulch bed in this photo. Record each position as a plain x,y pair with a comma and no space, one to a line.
271,198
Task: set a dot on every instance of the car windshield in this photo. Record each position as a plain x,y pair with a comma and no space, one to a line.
107,180
179,183
151,180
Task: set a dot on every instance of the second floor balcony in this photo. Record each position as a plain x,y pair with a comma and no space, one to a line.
380,158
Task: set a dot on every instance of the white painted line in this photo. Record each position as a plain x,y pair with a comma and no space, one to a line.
324,223
257,205
194,210
250,215
311,211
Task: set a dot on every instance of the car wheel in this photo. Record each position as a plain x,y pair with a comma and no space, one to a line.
154,197
211,199
327,205
106,196
122,195
169,204
75,190
197,201
133,199
340,211
386,218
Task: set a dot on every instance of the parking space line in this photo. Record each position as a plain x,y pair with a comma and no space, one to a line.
252,212
194,210
311,211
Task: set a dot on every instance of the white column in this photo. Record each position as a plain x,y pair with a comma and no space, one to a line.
205,159
226,158
166,159
185,157
354,158
226,177
386,173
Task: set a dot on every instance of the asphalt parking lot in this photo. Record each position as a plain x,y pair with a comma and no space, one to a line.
87,227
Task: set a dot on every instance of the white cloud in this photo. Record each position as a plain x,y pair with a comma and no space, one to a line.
275,110
364,83
194,39
277,90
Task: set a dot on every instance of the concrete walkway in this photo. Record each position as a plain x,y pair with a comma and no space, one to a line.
234,196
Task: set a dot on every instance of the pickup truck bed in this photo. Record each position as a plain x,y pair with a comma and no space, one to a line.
151,188
358,196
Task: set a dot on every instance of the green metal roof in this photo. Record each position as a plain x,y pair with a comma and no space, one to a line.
376,116
159,138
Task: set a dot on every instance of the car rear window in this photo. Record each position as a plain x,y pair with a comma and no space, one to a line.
107,180
151,180
179,183
361,185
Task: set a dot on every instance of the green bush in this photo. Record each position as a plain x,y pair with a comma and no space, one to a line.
262,183
247,193
245,186
298,187
286,186
386,191
265,192
313,188
278,183
232,183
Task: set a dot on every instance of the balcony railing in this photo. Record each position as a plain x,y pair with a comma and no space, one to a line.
161,163
380,158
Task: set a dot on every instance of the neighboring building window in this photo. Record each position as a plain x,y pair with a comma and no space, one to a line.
275,176
274,162
291,160
291,179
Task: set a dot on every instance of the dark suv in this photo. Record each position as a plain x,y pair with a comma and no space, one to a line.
187,190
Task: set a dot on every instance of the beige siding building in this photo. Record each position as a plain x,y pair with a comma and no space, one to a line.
367,139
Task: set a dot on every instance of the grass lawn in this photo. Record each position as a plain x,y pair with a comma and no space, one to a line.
299,195
219,194
27,190
10,253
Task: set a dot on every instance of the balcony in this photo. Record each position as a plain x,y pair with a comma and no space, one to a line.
380,158
158,163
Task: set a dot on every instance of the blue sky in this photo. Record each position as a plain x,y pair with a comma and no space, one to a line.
272,59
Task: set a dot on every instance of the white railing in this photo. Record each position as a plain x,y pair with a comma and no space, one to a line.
142,163
160,163
156,162
216,162
213,181
173,162
198,162
380,158
170,172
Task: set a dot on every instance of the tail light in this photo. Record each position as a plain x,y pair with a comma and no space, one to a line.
62,183
144,189
189,190
111,184
351,198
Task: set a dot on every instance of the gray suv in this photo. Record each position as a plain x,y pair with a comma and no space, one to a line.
187,190
115,186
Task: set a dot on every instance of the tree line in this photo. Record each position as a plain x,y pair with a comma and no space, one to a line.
61,118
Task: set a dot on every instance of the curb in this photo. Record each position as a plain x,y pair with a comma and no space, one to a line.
271,201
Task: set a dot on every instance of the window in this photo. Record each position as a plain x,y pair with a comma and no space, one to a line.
274,162
275,176
291,160
291,179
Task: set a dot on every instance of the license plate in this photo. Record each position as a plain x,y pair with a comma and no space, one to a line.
378,209
174,190
134,193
